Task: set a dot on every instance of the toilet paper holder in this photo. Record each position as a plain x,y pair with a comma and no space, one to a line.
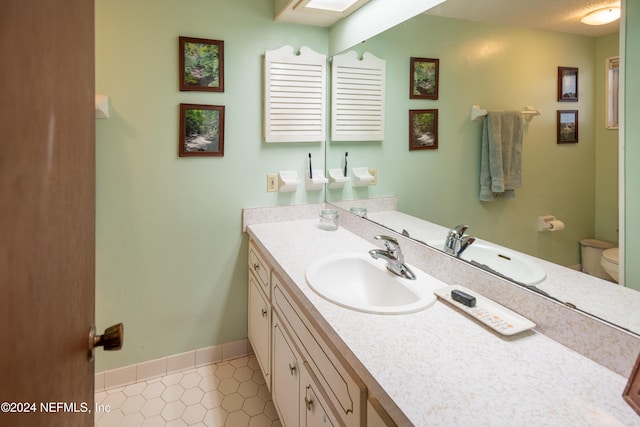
549,223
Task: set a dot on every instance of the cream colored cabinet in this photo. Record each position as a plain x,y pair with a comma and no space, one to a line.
259,312
317,411
310,383
286,377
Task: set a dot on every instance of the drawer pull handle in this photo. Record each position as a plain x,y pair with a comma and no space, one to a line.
264,312
308,403
256,266
292,368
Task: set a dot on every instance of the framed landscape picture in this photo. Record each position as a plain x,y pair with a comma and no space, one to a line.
424,78
567,84
423,130
567,126
201,130
201,64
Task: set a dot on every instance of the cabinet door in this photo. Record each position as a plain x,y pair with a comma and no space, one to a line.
316,408
286,377
259,328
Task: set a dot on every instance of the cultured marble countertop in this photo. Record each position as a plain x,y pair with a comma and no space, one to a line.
440,367
606,300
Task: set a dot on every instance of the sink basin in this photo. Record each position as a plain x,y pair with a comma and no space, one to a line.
361,283
504,262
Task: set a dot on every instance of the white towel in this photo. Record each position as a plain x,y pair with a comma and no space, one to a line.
501,155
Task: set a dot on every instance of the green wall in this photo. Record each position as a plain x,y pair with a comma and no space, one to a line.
171,256
502,68
632,145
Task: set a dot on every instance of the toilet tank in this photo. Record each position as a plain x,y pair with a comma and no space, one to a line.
591,252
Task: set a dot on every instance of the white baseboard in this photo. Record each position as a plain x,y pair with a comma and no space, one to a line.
167,365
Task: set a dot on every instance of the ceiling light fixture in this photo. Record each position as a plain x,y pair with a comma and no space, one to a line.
602,16
330,5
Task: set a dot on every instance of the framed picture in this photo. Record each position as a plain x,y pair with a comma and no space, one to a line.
201,64
567,84
423,129
632,391
567,126
424,78
201,130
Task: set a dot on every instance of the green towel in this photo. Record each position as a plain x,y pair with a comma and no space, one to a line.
501,155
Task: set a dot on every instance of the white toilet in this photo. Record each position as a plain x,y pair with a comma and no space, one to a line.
591,251
609,263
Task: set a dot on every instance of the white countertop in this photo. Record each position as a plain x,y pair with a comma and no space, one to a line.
607,300
442,368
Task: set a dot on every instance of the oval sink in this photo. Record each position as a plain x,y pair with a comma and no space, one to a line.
501,261
359,282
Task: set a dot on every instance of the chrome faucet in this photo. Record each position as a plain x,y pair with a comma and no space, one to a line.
394,257
456,241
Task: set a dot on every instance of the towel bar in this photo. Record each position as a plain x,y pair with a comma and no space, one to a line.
529,112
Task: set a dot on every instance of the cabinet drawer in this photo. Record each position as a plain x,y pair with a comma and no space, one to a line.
346,393
260,268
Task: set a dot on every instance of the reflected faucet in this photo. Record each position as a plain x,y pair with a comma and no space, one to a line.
456,241
394,257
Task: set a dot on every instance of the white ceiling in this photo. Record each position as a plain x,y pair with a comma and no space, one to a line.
549,15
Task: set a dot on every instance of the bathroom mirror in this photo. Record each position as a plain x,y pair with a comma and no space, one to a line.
504,68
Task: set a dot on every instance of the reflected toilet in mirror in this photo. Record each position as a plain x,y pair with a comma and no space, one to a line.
609,263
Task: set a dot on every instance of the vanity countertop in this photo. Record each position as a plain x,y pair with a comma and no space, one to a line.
591,294
439,367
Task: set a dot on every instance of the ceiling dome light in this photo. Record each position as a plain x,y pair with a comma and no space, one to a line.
602,16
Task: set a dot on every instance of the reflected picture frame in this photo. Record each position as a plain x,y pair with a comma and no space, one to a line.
567,126
424,76
567,84
423,129
201,130
201,63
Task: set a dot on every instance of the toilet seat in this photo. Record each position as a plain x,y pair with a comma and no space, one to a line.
611,255
609,263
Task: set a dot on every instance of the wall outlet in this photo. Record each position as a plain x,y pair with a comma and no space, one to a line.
373,172
272,182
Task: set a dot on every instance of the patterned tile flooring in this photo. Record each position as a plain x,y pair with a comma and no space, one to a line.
231,393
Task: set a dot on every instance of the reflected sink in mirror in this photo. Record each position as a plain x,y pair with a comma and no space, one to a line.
503,262
359,282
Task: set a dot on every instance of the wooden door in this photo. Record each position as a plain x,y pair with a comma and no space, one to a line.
47,211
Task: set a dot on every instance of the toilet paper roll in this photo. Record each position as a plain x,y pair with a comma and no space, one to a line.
555,225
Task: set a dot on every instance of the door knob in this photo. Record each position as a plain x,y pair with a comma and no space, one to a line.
112,339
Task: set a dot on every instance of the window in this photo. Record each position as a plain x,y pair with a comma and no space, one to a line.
613,73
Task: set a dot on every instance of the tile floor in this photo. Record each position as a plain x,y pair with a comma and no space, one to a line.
231,393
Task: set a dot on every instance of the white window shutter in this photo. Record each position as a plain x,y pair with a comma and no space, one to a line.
295,95
357,97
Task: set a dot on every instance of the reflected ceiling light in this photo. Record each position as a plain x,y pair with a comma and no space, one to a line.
331,5
602,16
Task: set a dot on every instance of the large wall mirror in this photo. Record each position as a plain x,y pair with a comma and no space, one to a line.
503,68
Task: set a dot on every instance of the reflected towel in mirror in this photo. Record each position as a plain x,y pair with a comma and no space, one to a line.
501,155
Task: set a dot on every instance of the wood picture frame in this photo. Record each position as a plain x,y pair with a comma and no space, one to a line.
567,84
567,126
201,64
201,130
423,129
424,78
631,392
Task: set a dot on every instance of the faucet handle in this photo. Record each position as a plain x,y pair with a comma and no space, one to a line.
460,229
390,242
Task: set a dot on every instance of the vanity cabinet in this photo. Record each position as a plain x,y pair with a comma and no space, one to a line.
310,383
